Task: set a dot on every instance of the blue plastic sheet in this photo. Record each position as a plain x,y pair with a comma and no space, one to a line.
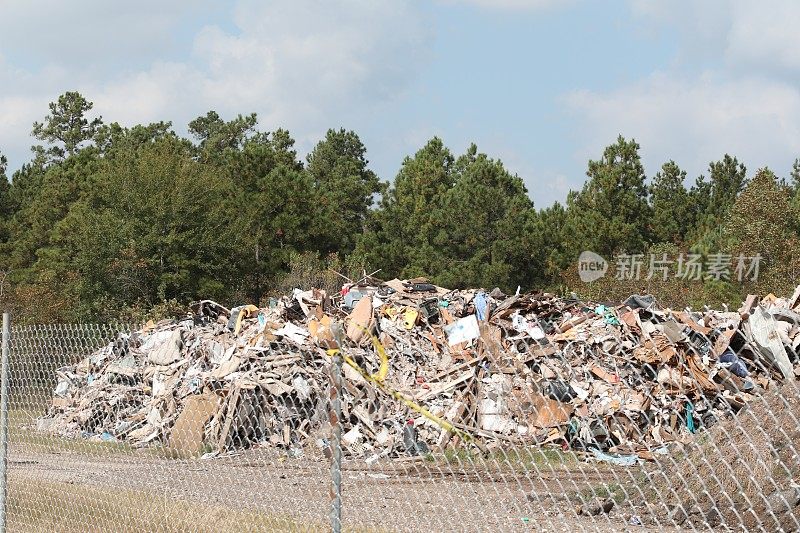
481,305
733,363
618,460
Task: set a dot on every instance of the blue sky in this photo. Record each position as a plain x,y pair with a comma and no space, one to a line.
543,85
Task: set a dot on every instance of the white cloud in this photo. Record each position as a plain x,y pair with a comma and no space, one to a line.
305,65
318,57
166,91
513,5
699,29
765,35
695,120
731,88
743,36
93,34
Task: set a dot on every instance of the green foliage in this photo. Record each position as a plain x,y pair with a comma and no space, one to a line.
43,195
728,179
141,314
464,222
610,214
112,138
672,291
218,138
151,208
107,222
713,200
764,221
307,270
672,215
344,189
6,201
66,127
486,225
794,186
400,236
548,248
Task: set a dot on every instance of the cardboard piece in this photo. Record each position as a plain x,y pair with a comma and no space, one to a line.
188,432
549,413
360,319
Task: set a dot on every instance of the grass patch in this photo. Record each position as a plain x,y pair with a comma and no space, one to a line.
22,432
36,505
614,491
521,458
537,457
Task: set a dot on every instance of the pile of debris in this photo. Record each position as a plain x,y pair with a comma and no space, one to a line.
759,449
621,382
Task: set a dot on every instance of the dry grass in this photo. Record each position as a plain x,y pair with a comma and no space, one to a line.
729,475
513,459
37,505
22,432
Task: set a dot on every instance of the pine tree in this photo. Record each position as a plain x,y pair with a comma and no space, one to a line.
610,214
218,138
344,188
549,249
7,208
272,201
487,227
794,185
713,200
66,127
401,234
459,222
672,216
728,179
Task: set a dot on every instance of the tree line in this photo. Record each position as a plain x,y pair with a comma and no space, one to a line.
109,222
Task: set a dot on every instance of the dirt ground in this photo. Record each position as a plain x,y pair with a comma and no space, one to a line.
294,492
743,473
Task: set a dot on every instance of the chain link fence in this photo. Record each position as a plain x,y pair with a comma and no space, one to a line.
599,419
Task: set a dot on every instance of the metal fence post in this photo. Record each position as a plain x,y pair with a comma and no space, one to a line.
4,420
335,415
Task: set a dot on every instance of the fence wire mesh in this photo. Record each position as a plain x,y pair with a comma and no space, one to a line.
545,415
